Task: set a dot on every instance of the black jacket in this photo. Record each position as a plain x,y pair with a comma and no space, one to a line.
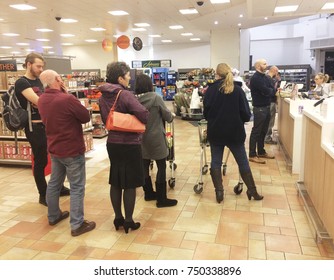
226,115
261,90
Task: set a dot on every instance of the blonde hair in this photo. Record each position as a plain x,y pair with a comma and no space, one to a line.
323,77
225,72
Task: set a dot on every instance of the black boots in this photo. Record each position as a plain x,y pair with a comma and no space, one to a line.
148,189
247,177
162,200
216,176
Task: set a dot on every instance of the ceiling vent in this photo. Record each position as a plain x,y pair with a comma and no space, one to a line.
322,43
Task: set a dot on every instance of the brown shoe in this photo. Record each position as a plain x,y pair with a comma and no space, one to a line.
266,155
86,226
257,160
63,216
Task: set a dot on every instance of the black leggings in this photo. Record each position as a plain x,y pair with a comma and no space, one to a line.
161,174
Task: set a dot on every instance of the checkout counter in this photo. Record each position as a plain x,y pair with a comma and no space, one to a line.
307,138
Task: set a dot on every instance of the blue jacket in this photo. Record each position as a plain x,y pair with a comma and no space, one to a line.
226,115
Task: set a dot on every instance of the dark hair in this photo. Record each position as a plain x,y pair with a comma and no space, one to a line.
143,84
31,59
116,70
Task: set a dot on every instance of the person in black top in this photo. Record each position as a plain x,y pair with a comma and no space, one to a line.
226,110
27,89
274,78
262,93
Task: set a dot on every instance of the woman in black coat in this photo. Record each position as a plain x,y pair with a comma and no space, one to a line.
226,109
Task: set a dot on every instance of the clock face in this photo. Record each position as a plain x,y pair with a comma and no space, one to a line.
137,43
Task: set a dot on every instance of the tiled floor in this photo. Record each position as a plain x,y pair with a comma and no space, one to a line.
197,228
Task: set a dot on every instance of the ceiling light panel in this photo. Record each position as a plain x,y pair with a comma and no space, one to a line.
191,11
286,9
11,34
328,6
176,27
44,30
68,20
118,13
142,24
98,29
22,7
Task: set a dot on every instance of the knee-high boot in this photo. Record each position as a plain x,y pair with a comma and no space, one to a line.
162,200
248,179
148,190
216,176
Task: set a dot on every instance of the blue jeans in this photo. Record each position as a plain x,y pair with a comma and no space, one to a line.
75,170
259,130
238,151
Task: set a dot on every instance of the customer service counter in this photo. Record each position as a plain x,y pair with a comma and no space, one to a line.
317,168
289,127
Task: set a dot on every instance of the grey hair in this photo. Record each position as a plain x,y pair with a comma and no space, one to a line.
48,77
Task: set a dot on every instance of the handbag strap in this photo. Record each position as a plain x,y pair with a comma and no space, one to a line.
114,105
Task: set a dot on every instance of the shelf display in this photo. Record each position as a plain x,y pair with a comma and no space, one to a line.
22,155
171,85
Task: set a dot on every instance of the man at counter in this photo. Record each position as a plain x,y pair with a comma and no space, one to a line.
262,91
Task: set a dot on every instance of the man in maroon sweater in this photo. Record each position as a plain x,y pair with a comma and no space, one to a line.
63,116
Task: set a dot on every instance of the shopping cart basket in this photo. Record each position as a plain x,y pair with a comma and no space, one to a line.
198,188
169,128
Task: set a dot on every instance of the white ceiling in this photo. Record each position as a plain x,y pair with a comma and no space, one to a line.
160,14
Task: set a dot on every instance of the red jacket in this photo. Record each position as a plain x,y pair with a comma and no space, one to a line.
63,116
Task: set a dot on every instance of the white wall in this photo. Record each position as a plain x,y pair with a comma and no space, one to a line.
192,55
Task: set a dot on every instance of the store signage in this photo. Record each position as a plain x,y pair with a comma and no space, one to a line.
152,63
8,65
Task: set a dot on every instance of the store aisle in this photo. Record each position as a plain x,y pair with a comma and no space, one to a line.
197,228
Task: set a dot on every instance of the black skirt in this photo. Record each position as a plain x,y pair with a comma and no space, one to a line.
126,166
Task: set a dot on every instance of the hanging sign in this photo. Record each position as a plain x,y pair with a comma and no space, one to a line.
123,42
8,65
137,43
107,45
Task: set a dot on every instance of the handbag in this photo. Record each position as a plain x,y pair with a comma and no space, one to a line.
118,121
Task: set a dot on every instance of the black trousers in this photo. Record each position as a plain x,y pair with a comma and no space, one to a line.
37,140
161,174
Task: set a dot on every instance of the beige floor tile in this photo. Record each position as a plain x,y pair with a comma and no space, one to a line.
257,249
232,234
175,254
209,251
239,253
19,254
282,243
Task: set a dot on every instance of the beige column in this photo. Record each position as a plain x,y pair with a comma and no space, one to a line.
225,47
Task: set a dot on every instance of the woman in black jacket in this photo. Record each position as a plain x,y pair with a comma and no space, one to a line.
226,109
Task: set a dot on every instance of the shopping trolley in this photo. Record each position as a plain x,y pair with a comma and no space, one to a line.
169,128
198,188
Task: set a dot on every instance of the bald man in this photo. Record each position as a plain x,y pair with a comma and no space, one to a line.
262,93
63,116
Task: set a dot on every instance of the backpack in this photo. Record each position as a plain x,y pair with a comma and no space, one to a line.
14,116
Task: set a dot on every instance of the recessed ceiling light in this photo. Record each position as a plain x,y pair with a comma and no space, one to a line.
68,20
67,35
176,27
98,29
43,40
67,44
219,1
91,40
286,9
188,11
216,22
22,44
44,30
265,18
239,24
154,36
187,34
5,47
241,16
139,29
30,50
195,39
118,13
166,41
1,19
328,6
22,7
143,24
11,34
15,52
46,47
51,52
